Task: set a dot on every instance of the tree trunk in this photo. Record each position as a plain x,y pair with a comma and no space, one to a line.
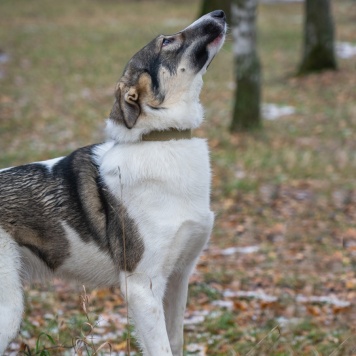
246,114
318,53
211,5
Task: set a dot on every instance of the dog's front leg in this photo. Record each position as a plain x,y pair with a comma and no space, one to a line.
174,305
144,297
195,236
11,299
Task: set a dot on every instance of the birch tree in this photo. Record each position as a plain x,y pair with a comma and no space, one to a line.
318,52
246,113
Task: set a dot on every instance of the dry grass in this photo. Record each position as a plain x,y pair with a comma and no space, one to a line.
289,189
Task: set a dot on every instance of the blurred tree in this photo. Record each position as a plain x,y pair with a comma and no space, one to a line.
246,114
318,53
211,5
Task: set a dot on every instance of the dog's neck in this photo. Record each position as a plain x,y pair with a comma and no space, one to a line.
120,134
167,135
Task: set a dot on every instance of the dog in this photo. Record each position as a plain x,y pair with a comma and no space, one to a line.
133,211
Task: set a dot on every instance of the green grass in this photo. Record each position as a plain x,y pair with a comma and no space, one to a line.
278,188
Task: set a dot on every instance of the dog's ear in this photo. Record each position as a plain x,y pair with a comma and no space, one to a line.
126,107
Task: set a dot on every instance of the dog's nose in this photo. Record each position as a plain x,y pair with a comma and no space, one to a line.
218,14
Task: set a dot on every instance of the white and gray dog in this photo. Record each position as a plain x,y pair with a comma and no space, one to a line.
137,205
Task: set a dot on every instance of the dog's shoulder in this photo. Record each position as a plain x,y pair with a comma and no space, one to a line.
76,163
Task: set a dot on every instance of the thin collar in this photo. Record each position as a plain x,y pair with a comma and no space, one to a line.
171,134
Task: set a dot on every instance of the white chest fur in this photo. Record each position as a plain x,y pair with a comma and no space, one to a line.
165,187
148,173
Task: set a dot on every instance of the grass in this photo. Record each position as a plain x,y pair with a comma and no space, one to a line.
288,189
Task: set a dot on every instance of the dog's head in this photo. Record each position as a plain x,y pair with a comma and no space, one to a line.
161,83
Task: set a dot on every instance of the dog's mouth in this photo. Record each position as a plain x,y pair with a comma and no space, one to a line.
217,41
215,45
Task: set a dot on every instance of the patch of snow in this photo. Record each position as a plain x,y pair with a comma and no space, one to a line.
194,319
274,111
228,304
196,349
12,353
245,250
103,321
261,295
333,300
14,346
48,316
345,50
25,334
283,321
115,317
197,317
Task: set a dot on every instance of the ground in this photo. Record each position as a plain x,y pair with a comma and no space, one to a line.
279,274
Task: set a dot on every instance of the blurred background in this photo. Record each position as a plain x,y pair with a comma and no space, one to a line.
279,274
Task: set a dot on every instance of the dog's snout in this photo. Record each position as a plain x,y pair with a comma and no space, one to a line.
218,14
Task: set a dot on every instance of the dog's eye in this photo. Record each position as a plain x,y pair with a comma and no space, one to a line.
167,41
